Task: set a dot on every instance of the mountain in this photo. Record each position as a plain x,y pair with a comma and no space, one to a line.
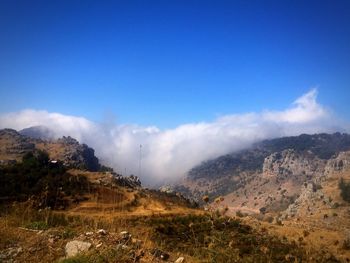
38,132
299,185
282,165
64,213
14,145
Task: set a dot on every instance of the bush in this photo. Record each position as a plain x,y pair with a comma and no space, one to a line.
262,210
210,239
344,190
36,177
37,225
269,219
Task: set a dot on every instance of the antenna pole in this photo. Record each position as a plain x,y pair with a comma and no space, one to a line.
140,161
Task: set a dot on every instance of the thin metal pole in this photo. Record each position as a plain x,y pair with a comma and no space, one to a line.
140,161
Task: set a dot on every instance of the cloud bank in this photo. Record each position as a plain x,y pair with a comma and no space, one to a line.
168,154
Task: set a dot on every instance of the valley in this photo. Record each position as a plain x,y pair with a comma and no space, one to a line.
280,201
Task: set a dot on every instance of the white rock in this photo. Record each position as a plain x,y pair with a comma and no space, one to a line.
102,232
180,260
75,247
89,234
99,245
121,246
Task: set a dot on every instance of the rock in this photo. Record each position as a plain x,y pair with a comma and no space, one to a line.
9,254
89,234
180,260
78,155
166,189
339,163
121,246
75,247
102,232
131,181
99,245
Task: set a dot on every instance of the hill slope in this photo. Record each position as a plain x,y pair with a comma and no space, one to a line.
294,159
13,146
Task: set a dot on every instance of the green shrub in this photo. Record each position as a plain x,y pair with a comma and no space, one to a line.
36,177
344,190
269,219
68,233
37,225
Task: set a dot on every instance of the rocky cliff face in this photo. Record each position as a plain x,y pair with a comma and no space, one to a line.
272,175
13,146
291,165
75,154
322,194
338,164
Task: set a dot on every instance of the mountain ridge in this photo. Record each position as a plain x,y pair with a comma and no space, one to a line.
230,172
14,145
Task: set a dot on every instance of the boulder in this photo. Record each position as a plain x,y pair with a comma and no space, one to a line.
125,235
102,232
75,247
180,260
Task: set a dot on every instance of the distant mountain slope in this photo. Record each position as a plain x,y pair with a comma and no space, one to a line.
13,146
230,172
38,132
322,145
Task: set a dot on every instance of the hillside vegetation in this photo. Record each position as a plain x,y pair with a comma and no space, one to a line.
55,210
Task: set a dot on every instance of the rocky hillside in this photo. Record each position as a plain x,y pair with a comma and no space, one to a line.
74,215
282,165
298,186
14,145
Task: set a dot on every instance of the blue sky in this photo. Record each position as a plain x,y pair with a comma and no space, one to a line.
166,63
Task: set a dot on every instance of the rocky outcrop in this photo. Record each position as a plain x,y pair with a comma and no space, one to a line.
309,193
75,247
338,164
270,175
78,155
13,146
9,254
289,163
131,181
110,179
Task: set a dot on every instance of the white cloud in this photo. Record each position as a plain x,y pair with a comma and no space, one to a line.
169,154
305,110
